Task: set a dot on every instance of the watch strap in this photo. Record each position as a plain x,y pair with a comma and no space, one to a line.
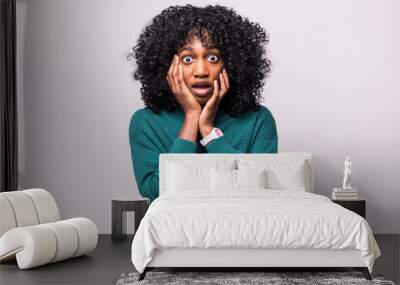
214,134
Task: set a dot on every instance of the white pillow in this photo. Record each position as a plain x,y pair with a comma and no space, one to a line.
282,174
251,178
223,179
186,175
227,179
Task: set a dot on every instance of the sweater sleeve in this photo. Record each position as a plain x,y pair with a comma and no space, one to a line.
265,138
220,145
145,151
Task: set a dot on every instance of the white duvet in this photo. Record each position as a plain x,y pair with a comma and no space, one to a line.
252,218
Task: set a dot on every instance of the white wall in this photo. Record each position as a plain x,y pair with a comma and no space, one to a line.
333,91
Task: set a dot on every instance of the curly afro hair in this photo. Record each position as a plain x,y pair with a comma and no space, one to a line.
240,42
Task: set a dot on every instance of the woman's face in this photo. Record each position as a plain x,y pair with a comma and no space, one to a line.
201,66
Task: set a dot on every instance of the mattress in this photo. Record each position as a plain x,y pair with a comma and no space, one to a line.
250,218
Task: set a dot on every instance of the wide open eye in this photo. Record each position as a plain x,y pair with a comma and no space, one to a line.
213,58
187,59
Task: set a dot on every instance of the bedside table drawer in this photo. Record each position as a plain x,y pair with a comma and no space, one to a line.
357,206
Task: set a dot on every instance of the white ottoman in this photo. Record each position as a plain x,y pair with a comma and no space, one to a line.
31,232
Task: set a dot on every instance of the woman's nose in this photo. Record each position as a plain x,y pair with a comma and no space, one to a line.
201,68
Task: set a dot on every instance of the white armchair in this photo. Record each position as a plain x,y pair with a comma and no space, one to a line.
31,231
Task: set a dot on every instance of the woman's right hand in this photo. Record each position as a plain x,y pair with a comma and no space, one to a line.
179,88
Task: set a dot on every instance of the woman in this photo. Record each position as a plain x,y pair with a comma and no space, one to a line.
202,72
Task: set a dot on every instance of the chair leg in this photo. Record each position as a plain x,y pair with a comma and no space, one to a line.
364,271
143,274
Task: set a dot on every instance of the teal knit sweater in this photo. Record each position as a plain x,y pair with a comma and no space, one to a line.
151,134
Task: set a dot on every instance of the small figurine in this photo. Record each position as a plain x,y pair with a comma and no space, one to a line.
347,173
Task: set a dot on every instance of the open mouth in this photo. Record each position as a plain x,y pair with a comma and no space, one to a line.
201,89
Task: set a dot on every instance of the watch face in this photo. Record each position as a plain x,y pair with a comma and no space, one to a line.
218,132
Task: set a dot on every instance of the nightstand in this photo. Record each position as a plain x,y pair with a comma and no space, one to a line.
122,204
358,206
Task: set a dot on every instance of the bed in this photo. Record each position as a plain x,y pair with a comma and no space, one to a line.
247,210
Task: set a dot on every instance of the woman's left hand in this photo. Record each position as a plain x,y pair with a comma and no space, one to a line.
208,113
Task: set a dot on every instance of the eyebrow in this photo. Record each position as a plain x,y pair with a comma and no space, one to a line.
190,49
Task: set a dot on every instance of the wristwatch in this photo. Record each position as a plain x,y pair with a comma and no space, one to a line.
214,134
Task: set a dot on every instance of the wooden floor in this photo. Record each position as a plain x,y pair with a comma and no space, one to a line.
110,259
102,266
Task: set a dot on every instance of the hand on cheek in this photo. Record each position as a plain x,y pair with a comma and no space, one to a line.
208,113
179,88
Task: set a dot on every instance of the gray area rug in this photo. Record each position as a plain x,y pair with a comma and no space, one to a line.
275,278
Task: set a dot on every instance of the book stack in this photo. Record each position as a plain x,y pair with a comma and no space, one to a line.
344,194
